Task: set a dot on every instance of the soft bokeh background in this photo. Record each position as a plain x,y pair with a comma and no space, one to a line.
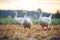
46,5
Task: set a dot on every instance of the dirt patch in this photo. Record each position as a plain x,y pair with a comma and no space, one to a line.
15,32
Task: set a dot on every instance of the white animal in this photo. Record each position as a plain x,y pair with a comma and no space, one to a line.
27,21
17,19
44,21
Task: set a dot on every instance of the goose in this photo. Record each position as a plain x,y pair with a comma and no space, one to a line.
27,21
18,20
44,21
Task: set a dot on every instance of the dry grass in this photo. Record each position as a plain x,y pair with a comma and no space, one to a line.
15,32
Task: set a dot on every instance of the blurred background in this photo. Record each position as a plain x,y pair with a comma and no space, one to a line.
48,7
7,16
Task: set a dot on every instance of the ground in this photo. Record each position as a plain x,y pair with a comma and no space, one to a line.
15,32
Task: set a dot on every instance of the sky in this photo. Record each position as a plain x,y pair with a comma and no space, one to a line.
31,5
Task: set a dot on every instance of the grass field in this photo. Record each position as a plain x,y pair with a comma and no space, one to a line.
34,20
10,31
15,32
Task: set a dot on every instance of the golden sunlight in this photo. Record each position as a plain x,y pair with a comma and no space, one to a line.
45,5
